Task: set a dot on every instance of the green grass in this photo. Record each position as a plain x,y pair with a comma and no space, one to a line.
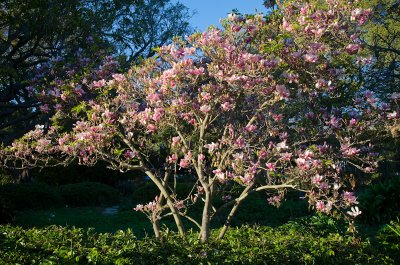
253,211
85,217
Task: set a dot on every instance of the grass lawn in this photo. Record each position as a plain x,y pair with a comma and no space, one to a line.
253,211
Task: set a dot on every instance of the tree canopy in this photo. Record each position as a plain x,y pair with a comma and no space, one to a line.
35,34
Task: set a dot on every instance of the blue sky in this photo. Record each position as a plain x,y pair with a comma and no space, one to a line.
209,12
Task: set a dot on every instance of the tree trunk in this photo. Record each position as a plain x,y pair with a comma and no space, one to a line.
156,228
170,203
232,213
206,217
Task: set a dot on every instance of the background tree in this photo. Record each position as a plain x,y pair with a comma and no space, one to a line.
35,34
382,39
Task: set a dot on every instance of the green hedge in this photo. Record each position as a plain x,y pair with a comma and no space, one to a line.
17,197
88,194
148,191
75,173
380,202
289,244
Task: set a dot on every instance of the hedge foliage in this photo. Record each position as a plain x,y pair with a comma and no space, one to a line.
292,243
380,202
17,197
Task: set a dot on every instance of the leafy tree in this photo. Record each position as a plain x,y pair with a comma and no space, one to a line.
255,107
382,38
35,34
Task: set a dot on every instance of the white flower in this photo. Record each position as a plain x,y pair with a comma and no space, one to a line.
354,212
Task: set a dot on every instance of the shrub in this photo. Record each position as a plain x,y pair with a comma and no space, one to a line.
76,173
380,202
5,178
290,244
149,191
15,197
88,194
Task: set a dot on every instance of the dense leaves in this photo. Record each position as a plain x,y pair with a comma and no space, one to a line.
290,244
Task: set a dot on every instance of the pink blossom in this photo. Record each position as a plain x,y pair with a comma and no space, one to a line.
286,156
308,154
304,9
192,121
155,97
205,108
220,175
270,166
201,157
211,147
317,179
176,140
352,48
349,198
324,186
138,208
282,91
205,96
118,77
184,163
360,15
240,142
302,164
250,128
196,71
44,108
282,145
292,78
130,154
158,113
349,151
78,90
247,178
100,83
277,117
352,122
310,57
393,115
286,25
189,51
320,206
172,159
151,128
275,200
226,106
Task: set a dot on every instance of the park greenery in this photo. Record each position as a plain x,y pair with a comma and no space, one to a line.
270,140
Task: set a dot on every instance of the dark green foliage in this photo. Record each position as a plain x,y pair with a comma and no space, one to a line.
380,202
149,191
88,194
14,197
289,244
89,217
389,237
77,173
34,196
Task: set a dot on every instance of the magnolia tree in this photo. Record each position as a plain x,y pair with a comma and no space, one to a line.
267,104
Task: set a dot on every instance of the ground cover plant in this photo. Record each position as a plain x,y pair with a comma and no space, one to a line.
267,104
307,242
